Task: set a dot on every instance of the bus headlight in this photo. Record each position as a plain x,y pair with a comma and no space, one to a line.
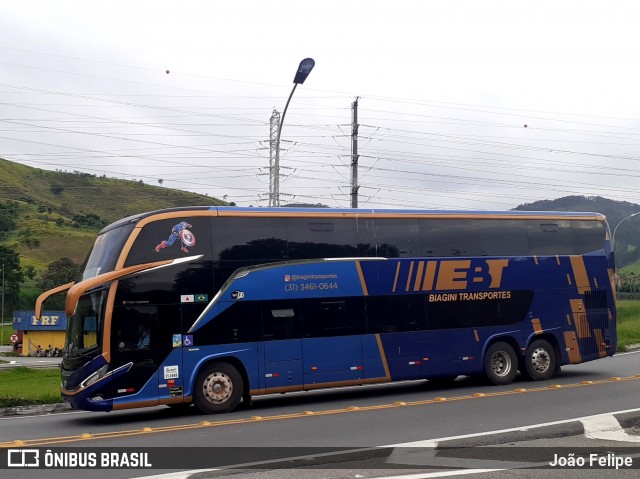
94,377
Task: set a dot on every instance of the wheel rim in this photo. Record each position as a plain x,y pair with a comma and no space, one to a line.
217,388
540,360
500,363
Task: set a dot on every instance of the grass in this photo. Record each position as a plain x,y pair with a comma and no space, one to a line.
6,331
628,324
26,386
632,268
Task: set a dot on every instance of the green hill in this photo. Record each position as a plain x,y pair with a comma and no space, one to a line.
627,247
47,215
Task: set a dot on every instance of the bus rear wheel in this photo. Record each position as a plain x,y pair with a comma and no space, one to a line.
500,363
218,388
540,360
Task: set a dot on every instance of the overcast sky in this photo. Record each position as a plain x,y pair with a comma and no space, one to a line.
463,104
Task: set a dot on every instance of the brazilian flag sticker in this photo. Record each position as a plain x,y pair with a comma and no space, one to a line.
202,298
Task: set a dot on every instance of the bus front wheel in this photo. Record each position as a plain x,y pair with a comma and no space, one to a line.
218,388
500,363
540,361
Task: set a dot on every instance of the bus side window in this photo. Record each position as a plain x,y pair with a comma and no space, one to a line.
503,238
450,237
552,238
396,313
239,323
388,238
240,242
588,236
321,238
280,320
258,240
332,317
136,328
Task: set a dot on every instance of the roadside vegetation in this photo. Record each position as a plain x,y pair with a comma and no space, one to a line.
27,386
6,331
628,324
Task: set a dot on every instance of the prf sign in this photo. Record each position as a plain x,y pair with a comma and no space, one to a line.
45,321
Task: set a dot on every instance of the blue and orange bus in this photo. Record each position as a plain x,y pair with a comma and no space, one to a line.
213,306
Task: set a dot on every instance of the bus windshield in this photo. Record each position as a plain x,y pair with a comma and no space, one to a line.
105,251
84,327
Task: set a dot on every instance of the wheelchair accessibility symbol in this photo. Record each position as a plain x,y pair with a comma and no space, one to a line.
187,340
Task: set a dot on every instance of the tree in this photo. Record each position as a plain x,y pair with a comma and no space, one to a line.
13,278
61,271
8,211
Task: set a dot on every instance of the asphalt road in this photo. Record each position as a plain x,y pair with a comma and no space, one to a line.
352,418
31,362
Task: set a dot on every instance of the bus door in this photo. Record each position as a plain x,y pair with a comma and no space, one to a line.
137,339
282,346
172,339
332,341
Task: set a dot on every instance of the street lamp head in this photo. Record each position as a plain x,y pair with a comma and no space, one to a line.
304,69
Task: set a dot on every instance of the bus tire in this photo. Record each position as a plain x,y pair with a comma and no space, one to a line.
500,363
540,360
218,388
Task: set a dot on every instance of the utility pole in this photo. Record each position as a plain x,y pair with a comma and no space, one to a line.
2,324
354,153
274,160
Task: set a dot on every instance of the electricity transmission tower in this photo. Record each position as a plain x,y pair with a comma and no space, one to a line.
274,160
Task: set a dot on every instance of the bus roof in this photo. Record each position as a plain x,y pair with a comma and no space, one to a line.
293,212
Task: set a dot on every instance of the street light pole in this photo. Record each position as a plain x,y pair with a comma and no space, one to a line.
613,236
613,242
304,69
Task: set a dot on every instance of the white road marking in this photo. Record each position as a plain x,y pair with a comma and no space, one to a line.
178,475
624,354
430,475
434,442
607,428
18,417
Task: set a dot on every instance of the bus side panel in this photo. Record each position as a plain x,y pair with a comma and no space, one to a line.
171,375
332,360
282,365
164,385
404,354
374,359
451,352
147,396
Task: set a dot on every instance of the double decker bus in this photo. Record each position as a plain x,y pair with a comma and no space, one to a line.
216,305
